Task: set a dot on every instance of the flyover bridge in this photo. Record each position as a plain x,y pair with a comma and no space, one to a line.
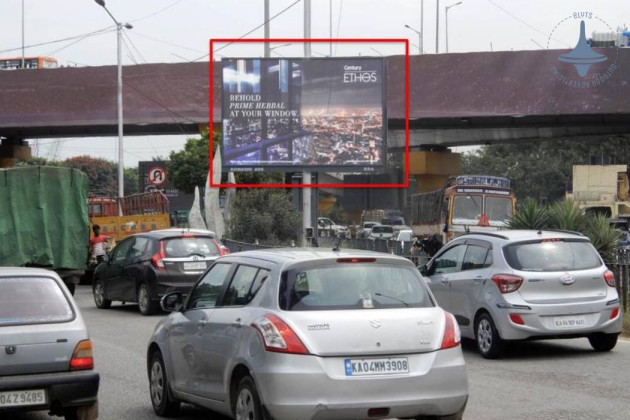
455,99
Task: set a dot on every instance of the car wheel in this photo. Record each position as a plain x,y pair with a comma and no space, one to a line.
247,403
602,341
489,343
145,304
99,295
163,403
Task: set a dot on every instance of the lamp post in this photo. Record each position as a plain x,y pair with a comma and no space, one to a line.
119,86
446,18
419,38
437,27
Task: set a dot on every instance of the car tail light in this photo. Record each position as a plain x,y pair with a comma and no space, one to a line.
507,283
517,319
356,260
157,260
223,250
609,276
614,313
278,336
82,358
452,335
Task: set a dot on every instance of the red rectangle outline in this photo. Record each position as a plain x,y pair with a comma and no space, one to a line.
298,40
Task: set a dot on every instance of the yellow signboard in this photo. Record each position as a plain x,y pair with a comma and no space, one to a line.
120,227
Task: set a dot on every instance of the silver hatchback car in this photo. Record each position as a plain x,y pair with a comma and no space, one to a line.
46,360
516,285
308,334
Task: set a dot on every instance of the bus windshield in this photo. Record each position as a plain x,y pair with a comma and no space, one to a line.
467,209
498,210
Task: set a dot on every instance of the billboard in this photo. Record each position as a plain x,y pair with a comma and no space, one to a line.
296,114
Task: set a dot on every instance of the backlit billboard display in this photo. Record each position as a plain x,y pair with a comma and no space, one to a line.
295,114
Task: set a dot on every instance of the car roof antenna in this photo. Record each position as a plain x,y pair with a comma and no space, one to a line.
337,246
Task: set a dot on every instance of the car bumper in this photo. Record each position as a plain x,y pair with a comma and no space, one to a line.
436,385
63,389
182,285
540,320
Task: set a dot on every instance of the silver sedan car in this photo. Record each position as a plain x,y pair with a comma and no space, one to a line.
526,284
308,334
46,360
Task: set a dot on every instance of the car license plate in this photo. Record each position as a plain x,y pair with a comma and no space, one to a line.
569,321
394,365
194,266
23,398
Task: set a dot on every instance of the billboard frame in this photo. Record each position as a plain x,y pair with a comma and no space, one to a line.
403,41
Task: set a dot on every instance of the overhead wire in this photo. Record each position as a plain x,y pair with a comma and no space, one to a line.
253,30
98,32
338,25
158,12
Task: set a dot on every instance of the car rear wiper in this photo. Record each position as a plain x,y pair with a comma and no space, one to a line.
393,298
196,254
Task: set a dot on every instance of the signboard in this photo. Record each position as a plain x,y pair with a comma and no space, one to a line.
297,114
486,180
153,176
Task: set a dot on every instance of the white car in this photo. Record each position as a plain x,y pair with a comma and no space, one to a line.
381,232
327,224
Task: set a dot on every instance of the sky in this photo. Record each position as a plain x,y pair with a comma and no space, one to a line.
168,31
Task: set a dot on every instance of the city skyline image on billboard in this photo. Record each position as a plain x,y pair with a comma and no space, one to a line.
304,114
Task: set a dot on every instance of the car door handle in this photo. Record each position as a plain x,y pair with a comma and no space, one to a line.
238,323
478,279
202,323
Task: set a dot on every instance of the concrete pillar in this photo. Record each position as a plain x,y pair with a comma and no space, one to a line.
432,169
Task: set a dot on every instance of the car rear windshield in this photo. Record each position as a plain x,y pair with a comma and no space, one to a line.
32,300
552,255
189,246
352,286
383,229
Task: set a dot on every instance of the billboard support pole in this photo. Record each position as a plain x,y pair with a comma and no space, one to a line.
306,177
267,46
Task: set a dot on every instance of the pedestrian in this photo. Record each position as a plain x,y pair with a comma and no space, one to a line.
98,245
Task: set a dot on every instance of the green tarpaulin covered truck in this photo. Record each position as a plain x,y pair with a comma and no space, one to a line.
44,220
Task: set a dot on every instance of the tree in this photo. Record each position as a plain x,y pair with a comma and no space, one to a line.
131,180
188,168
542,170
102,173
265,215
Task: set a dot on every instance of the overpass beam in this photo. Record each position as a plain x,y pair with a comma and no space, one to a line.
12,149
432,169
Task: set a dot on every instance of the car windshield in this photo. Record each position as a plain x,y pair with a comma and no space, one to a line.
32,300
188,246
382,229
352,286
467,209
498,210
555,255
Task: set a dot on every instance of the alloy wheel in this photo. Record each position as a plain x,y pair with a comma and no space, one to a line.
157,383
245,406
99,294
143,299
484,335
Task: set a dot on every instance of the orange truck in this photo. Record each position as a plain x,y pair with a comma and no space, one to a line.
140,213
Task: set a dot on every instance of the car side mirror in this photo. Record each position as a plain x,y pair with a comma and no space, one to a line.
172,302
424,270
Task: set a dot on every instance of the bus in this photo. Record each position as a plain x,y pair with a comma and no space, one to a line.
466,203
40,62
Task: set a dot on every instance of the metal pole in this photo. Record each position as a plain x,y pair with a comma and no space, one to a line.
421,35
437,27
446,26
330,26
306,176
22,33
121,185
267,47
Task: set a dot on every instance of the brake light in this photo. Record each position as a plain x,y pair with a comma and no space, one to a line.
452,335
278,336
614,313
517,319
157,260
223,250
552,240
507,283
609,277
356,260
82,357
188,235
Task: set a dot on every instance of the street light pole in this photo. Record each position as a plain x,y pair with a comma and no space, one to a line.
119,95
437,27
446,18
421,44
22,34
419,38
